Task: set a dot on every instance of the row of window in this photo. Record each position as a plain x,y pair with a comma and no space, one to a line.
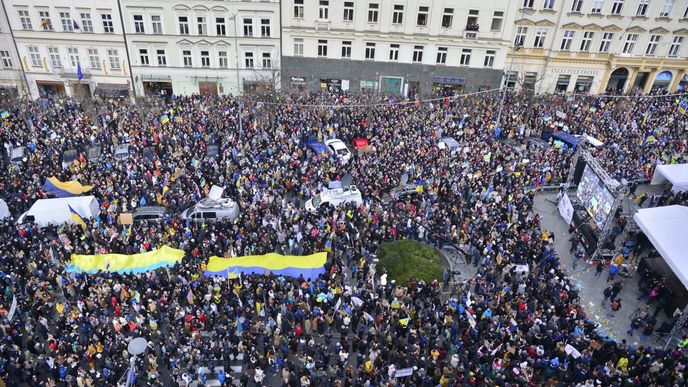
55,58
81,21
417,56
605,42
629,44
202,26
617,6
160,57
422,15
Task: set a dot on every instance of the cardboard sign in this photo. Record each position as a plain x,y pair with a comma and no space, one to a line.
125,218
571,350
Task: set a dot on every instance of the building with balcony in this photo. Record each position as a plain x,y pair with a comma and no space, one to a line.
202,46
597,46
67,47
12,82
397,47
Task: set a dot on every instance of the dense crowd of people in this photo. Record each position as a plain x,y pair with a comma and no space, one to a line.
502,327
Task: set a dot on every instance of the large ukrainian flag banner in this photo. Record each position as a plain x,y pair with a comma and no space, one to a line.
309,266
121,263
65,189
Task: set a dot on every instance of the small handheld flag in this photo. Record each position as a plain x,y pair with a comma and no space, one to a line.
682,107
77,218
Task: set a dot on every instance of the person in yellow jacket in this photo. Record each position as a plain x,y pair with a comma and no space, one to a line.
622,364
619,259
368,366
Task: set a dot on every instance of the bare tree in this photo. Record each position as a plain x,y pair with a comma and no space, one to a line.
266,83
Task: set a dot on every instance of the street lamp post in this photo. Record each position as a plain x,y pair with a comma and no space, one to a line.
506,86
235,17
516,47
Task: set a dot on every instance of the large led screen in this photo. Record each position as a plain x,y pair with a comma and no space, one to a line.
595,196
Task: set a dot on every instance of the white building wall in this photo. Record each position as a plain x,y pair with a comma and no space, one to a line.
99,70
11,77
230,75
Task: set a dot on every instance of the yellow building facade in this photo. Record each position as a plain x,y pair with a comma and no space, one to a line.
578,48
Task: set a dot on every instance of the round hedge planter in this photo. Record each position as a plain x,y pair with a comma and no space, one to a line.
407,259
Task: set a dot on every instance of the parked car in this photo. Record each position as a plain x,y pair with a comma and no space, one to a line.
151,213
211,152
122,152
449,143
335,197
209,209
360,142
17,154
402,191
339,149
93,152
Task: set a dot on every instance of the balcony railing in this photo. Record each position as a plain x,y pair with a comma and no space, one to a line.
472,27
71,73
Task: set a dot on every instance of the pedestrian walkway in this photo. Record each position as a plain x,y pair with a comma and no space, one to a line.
614,325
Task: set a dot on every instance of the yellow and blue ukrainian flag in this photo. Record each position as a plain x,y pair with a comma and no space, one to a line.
77,218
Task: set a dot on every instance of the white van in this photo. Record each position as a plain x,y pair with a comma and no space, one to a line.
56,211
335,197
209,209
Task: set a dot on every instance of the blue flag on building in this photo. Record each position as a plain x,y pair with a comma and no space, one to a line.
79,73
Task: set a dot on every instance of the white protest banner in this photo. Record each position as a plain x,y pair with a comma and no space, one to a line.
566,208
403,372
571,350
13,309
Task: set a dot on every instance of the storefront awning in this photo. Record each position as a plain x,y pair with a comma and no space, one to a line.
111,90
297,80
156,78
450,80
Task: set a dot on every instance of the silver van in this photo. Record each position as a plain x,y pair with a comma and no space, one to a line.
17,154
150,213
122,152
209,209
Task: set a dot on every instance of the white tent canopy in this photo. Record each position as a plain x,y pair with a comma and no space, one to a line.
667,229
676,174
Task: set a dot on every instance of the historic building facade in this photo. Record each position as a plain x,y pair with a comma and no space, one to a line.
402,47
599,46
202,46
67,47
12,82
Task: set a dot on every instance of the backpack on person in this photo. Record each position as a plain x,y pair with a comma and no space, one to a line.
616,305
608,291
